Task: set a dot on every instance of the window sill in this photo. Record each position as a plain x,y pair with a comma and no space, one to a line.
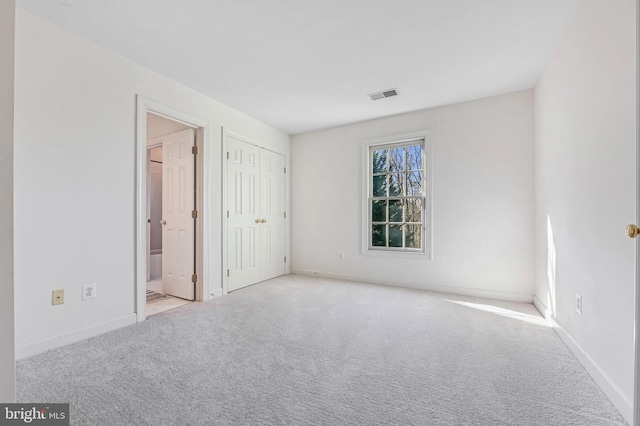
409,255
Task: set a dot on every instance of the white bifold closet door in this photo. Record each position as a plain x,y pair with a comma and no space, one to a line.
256,222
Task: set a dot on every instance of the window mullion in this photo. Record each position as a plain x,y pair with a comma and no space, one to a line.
412,221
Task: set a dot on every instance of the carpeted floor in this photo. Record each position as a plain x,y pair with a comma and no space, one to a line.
309,351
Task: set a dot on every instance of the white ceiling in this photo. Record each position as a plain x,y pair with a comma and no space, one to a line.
302,65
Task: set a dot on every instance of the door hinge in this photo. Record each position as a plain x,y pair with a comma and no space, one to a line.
227,213
285,170
194,214
227,272
194,278
285,259
194,150
285,215
227,155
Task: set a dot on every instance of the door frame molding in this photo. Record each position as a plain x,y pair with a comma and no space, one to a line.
636,343
203,141
225,221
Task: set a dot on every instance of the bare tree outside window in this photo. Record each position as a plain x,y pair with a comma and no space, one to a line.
397,196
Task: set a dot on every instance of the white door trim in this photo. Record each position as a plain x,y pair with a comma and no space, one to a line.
223,245
144,106
636,369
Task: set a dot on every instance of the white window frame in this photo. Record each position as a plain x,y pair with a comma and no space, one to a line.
427,206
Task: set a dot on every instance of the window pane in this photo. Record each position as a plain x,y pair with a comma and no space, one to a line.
379,211
380,186
414,183
379,236
379,160
413,236
414,210
395,235
414,158
396,160
397,203
395,211
396,184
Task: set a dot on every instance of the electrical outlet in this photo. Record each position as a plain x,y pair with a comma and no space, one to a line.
89,291
57,297
578,304
340,255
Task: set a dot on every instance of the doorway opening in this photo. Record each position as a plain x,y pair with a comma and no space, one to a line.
171,174
171,248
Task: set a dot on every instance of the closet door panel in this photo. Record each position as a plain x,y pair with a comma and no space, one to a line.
272,203
243,236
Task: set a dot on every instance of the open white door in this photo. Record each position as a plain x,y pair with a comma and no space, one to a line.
271,253
242,202
178,226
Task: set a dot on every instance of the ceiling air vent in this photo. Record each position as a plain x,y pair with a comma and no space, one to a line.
383,94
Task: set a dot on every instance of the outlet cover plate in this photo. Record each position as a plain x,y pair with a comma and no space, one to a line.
578,304
89,291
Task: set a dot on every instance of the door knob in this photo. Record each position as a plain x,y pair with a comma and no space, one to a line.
632,231
264,220
258,221
164,222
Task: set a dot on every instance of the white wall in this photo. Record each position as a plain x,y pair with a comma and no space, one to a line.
585,189
7,346
75,161
159,126
482,199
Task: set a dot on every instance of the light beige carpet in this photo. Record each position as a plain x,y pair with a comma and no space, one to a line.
307,351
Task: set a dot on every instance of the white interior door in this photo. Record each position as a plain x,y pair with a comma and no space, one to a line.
256,222
243,221
178,226
271,252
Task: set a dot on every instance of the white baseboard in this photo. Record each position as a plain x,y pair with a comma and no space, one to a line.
541,307
619,400
462,291
76,336
216,293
